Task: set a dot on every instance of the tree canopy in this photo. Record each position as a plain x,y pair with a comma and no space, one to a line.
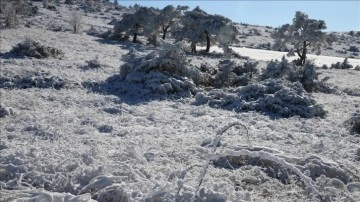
142,19
302,34
199,26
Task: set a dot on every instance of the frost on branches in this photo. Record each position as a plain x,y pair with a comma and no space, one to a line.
305,74
199,27
302,34
164,71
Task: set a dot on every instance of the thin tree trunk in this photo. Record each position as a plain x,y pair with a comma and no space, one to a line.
303,53
207,41
136,32
193,47
164,33
135,37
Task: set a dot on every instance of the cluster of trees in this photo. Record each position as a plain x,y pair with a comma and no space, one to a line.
195,26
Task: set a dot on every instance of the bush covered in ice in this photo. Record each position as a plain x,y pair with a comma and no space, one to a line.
6,111
34,49
306,74
12,11
164,71
353,123
232,74
35,80
271,96
342,65
92,64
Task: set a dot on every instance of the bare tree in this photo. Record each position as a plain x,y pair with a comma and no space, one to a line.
302,34
11,18
75,22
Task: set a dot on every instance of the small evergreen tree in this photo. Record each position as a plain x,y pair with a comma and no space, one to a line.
199,26
302,34
143,19
116,3
168,16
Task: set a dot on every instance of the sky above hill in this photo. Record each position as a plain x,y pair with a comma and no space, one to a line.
338,15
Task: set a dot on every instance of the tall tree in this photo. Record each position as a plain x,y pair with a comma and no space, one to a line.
199,26
302,34
168,16
143,19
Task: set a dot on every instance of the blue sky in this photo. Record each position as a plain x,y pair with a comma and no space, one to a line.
338,15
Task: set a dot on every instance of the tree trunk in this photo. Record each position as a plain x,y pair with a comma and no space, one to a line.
193,47
207,41
303,53
134,38
135,32
164,33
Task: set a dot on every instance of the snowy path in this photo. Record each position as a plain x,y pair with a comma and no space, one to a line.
266,55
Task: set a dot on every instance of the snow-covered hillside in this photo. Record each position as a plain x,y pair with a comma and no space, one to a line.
72,130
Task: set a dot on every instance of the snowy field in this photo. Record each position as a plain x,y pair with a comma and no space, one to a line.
62,140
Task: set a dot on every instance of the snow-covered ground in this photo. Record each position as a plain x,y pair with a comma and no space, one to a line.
77,144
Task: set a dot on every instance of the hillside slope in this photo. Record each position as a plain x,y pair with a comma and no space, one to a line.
70,133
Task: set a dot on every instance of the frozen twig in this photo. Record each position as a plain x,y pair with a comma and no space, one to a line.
215,145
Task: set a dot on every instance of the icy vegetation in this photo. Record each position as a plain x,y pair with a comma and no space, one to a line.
34,49
87,115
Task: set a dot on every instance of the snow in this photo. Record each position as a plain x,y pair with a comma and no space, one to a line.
78,144
266,55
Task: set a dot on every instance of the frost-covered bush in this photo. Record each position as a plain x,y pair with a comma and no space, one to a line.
6,111
35,80
353,123
75,22
164,71
354,49
11,18
342,65
12,10
71,2
305,74
277,69
34,49
232,74
92,64
270,96
91,5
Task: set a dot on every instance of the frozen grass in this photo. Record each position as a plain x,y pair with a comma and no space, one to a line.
76,144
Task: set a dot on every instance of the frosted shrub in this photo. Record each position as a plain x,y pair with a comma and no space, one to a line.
354,49
270,96
232,74
11,18
163,71
92,64
75,22
353,123
34,49
342,65
277,69
71,2
305,74
35,80
45,3
6,111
